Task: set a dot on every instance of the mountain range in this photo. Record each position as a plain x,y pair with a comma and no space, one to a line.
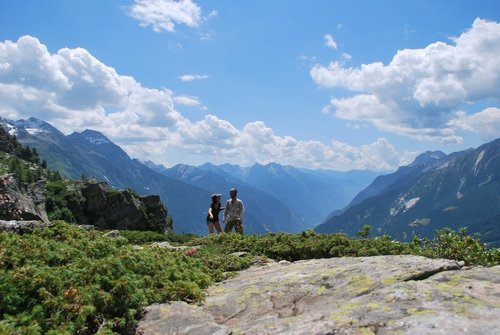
435,191
277,198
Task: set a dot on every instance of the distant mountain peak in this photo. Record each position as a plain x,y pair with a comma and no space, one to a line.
32,126
34,122
428,157
93,136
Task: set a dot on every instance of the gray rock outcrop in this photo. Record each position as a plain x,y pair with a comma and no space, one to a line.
20,202
95,203
22,227
367,295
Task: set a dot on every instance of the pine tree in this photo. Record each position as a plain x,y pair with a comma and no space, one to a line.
39,173
15,166
29,178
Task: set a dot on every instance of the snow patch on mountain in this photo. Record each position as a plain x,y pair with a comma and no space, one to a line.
96,141
410,203
403,205
32,123
478,160
10,129
34,131
489,179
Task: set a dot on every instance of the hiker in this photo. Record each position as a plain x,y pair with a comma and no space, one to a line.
213,214
233,214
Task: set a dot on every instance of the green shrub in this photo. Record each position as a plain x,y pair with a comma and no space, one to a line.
280,246
57,201
308,245
140,237
457,245
66,280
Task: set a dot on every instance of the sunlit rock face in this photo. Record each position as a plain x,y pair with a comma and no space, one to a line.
367,295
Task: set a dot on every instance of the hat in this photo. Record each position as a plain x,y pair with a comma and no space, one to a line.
215,196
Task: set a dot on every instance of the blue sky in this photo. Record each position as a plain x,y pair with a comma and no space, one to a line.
319,84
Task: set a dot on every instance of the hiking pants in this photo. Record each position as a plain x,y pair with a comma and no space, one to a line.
238,226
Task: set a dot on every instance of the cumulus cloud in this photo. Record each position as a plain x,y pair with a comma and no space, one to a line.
486,123
420,91
73,90
165,14
76,89
192,77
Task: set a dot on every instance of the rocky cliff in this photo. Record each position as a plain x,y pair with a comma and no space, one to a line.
369,295
95,203
91,203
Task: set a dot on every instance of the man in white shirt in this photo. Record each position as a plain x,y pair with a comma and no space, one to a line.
233,213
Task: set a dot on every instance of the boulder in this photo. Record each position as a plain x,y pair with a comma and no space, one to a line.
19,201
368,295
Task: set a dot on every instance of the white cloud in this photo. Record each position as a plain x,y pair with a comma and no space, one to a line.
165,14
419,92
76,89
191,101
73,91
192,77
345,56
330,41
187,100
486,123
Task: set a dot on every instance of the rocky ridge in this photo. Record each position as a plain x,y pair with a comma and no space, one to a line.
96,203
368,295
22,206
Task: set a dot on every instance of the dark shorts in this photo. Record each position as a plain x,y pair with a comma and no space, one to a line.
214,221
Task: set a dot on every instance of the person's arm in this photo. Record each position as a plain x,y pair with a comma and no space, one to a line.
242,210
224,217
210,215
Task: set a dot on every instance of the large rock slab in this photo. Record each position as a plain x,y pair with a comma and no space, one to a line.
368,295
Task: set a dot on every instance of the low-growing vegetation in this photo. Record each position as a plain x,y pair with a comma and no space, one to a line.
67,280
292,247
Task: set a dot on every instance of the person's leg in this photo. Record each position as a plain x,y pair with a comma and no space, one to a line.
239,227
210,227
229,227
217,227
